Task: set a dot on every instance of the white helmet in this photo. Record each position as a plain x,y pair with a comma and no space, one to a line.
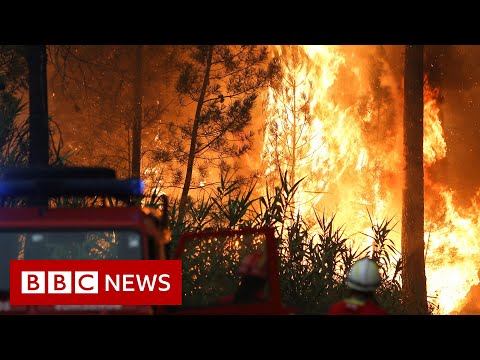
364,276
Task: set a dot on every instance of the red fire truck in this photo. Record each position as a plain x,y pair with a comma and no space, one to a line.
30,229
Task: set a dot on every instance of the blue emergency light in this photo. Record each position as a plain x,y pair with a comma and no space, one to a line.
67,181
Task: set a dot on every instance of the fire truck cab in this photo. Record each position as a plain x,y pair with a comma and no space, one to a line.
30,229
213,278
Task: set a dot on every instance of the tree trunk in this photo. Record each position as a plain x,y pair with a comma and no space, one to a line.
38,105
413,275
138,113
193,141
38,108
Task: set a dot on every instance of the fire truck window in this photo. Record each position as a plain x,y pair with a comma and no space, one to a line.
10,249
129,245
91,245
66,245
212,275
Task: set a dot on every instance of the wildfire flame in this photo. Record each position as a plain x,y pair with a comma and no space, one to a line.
434,145
451,236
335,119
452,252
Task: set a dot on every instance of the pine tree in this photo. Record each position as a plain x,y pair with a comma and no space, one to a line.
290,145
222,82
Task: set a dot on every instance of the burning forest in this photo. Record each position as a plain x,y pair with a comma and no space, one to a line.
341,130
306,139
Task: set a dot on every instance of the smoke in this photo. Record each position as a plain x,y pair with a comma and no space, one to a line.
456,71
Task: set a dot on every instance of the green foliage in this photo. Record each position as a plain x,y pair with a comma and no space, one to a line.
210,266
233,77
13,69
94,87
14,135
232,202
13,132
390,262
14,139
314,259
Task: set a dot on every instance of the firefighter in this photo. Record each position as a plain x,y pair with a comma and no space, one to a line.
158,231
362,281
253,281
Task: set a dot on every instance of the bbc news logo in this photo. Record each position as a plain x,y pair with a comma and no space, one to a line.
86,282
59,282
95,282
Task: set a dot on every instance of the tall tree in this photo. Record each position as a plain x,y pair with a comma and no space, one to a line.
38,100
13,85
378,114
413,275
137,112
289,136
15,125
223,83
13,70
117,91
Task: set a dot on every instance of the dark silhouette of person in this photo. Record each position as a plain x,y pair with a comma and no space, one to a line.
253,281
158,232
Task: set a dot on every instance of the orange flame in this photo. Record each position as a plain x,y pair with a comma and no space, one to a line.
434,145
452,252
346,143
452,249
